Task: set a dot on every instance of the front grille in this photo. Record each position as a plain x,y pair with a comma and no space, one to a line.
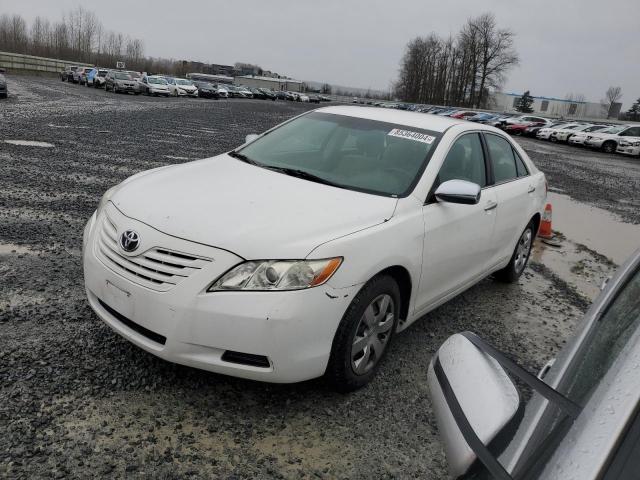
145,332
157,268
245,359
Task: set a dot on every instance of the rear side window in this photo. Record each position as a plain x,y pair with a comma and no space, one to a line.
465,161
502,158
521,168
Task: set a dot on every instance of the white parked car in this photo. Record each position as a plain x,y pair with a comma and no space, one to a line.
244,92
580,137
222,91
302,252
154,85
181,87
545,133
302,97
629,146
608,142
565,134
581,420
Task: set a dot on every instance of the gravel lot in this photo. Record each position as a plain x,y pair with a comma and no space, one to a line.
78,401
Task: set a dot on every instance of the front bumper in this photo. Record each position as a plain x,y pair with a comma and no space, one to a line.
629,150
577,140
293,330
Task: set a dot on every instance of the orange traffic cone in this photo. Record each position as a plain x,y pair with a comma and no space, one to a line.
545,224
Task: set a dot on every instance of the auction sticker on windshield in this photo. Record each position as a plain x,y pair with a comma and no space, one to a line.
418,137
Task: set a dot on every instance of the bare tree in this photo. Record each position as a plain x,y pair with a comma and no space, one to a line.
611,98
459,70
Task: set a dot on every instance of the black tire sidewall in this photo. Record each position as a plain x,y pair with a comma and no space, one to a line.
339,370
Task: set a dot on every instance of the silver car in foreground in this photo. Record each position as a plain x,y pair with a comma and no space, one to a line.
579,419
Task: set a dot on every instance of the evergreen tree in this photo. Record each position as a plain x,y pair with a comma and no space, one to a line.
634,111
524,103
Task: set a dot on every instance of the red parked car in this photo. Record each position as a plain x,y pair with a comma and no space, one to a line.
519,128
463,114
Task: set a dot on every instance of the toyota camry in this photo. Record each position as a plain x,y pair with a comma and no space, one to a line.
304,251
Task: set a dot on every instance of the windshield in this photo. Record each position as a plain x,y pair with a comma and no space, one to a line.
122,76
354,153
102,73
157,81
181,81
616,129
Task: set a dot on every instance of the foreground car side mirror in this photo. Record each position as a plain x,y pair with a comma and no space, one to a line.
251,137
460,374
459,191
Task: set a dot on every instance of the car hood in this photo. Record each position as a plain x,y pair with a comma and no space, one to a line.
251,211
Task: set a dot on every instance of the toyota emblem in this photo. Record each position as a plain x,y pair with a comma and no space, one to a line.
129,240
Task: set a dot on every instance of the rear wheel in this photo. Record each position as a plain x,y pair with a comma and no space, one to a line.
520,257
364,334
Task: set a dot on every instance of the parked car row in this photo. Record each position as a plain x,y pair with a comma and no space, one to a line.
624,139
127,81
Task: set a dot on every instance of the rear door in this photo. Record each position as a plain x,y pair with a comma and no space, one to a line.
514,190
457,237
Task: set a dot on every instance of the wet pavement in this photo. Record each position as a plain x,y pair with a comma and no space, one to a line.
78,401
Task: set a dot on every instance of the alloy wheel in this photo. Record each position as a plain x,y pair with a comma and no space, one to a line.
522,250
372,334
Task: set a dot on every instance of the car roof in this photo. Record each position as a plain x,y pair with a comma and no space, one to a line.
436,123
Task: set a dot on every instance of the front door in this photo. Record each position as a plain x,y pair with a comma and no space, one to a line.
457,241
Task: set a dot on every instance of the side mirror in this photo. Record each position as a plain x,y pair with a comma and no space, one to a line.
459,191
480,387
251,137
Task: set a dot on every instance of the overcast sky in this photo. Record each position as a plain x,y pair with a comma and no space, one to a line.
578,46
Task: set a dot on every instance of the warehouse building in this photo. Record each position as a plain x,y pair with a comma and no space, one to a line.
271,83
555,107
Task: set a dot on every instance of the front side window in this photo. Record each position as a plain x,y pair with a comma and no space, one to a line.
502,158
350,152
465,161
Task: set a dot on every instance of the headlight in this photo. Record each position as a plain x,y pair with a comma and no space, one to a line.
105,198
277,275
636,144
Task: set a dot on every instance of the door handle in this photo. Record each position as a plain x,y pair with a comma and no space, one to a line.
531,189
490,205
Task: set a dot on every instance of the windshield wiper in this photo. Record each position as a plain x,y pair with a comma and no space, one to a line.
243,157
294,172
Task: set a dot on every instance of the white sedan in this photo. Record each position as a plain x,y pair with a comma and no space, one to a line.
181,87
546,133
629,146
564,135
608,142
303,251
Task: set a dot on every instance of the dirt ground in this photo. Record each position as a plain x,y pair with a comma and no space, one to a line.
78,401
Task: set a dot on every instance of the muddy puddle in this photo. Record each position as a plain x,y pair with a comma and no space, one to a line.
597,229
13,249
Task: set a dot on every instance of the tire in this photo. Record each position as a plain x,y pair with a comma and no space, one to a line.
518,262
349,367
609,147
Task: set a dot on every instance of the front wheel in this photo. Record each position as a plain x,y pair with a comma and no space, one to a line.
364,334
609,147
511,273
